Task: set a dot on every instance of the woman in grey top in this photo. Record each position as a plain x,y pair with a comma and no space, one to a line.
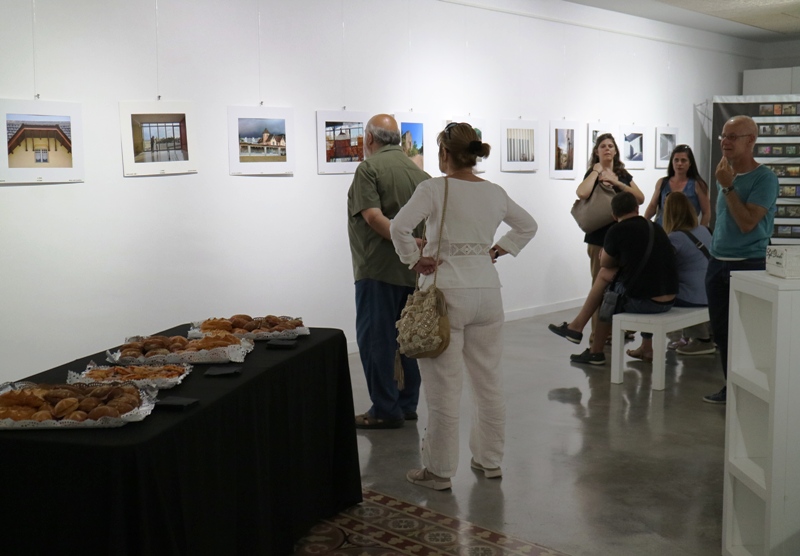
687,237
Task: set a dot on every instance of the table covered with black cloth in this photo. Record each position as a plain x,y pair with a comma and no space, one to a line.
248,470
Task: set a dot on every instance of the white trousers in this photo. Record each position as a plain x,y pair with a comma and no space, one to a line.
476,345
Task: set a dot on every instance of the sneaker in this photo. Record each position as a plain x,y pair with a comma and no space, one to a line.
488,472
679,343
564,332
425,478
589,357
697,347
718,398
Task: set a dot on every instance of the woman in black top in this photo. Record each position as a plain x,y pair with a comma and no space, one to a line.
607,169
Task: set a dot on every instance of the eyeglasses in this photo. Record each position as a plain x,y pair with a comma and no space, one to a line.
448,127
733,136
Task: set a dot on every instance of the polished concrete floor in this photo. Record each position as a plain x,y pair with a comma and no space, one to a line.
591,468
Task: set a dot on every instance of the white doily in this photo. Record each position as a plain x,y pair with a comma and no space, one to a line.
160,383
227,354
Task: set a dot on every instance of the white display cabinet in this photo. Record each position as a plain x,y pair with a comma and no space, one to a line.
761,507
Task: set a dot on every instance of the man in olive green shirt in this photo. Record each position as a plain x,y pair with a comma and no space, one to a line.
382,184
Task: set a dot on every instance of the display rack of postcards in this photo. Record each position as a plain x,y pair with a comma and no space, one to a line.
778,147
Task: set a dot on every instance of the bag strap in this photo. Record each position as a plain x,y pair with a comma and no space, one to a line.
646,256
441,232
699,244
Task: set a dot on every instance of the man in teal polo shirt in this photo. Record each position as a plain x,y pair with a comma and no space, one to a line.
382,184
745,215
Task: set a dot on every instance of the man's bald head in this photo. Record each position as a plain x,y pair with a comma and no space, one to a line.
743,125
381,130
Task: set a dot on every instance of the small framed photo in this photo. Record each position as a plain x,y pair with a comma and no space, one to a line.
764,150
765,109
790,150
779,129
157,138
415,138
778,110
789,109
45,142
666,141
793,171
261,141
764,129
632,147
340,141
793,129
518,146
777,150
563,137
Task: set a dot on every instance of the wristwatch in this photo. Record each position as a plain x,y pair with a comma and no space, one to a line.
726,190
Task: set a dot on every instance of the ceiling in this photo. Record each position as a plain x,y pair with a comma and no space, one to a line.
756,20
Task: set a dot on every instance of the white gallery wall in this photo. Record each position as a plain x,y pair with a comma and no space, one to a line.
84,265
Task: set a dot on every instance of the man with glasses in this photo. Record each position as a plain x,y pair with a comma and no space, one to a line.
382,184
745,214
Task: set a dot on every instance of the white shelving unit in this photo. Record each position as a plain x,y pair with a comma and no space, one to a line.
761,507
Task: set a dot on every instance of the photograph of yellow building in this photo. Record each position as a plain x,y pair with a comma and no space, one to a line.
39,141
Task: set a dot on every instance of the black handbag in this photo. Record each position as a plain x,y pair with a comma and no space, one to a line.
613,301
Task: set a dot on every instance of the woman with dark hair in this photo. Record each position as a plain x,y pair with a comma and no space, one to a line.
606,170
682,175
472,209
691,242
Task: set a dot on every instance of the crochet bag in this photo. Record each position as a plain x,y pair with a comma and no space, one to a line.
424,329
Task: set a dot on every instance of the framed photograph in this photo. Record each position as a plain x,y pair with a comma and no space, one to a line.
765,109
789,109
261,141
340,141
44,142
779,129
793,129
596,129
632,147
157,138
413,130
777,150
764,129
562,149
778,110
518,144
791,150
763,150
666,141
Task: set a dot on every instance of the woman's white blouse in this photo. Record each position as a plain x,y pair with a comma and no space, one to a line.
474,212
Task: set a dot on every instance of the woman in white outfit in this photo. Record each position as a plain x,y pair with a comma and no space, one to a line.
469,281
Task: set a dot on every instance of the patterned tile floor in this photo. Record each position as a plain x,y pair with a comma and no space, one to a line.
386,526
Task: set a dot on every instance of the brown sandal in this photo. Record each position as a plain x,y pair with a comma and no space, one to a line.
639,354
367,421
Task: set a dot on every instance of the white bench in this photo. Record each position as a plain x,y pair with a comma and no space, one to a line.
659,324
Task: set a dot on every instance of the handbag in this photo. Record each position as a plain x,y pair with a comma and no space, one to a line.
424,329
594,212
614,301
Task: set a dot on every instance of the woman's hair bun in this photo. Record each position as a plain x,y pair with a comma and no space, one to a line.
475,147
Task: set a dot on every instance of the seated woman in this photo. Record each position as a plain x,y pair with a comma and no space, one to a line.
691,242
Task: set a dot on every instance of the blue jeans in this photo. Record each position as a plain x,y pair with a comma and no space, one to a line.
718,287
641,306
378,306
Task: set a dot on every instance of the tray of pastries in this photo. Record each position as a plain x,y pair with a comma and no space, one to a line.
160,376
216,347
27,405
270,327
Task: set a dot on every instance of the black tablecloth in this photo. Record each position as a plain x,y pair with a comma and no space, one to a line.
261,458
